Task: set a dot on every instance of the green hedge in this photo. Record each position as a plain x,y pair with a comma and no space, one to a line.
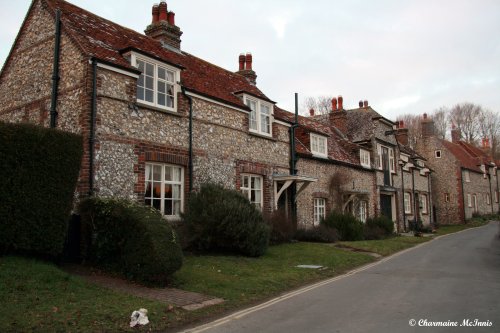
130,238
378,227
40,169
349,228
222,219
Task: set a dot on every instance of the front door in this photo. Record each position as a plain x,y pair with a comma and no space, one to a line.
386,206
385,166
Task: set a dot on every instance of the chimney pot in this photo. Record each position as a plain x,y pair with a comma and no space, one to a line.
425,115
171,18
311,112
163,11
402,124
341,102
248,60
241,61
360,104
156,13
334,104
365,103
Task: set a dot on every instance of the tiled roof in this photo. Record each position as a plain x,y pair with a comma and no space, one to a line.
409,151
106,41
469,156
360,126
339,149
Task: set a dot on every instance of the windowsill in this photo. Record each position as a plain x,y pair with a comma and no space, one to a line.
155,108
366,166
263,136
319,155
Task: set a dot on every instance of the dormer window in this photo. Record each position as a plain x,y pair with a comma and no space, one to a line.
157,85
318,145
364,158
260,116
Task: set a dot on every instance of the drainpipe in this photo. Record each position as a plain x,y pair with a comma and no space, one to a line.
293,160
463,195
498,189
491,192
415,212
190,159
430,205
403,190
92,126
55,73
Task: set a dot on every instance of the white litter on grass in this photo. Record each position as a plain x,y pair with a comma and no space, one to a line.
139,317
310,266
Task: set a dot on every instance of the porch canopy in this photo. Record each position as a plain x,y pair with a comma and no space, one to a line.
288,180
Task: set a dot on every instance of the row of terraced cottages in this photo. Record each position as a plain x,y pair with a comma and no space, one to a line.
158,122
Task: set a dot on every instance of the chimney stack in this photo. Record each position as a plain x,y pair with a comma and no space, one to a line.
427,126
163,28
245,68
402,133
341,103
456,134
365,103
360,104
334,104
311,112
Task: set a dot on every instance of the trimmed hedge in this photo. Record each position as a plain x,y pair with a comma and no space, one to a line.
40,169
378,227
348,227
131,239
319,234
222,219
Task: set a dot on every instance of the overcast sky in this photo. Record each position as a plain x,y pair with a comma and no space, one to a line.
408,56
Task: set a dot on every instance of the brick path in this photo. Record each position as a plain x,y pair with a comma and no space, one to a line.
185,299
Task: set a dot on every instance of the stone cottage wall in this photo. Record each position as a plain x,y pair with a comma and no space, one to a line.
351,180
480,187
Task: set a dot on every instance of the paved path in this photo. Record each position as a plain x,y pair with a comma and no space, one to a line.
453,278
185,299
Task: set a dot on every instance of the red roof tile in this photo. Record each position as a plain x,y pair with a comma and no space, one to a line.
106,41
464,155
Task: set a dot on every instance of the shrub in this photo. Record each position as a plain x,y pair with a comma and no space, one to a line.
348,227
283,228
222,219
378,227
39,174
319,234
131,239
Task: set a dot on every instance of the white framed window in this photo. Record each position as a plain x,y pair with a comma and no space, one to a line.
364,158
381,150
488,199
474,198
251,187
319,210
446,197
423,203
318,145
363,210
467,176
437,153
407,202
260,118
157,85
496,196
469,200
165,188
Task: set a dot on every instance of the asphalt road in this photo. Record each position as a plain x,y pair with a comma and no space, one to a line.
451,279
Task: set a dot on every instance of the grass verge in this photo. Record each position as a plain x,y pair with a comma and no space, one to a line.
41,297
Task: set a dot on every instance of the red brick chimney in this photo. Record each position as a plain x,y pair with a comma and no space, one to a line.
338,116
427,126
245,68
311,112
456,134
402,133
365,103
163,28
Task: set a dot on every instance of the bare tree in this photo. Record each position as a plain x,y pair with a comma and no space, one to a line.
466,117
440,124
412,123
320,104
489,127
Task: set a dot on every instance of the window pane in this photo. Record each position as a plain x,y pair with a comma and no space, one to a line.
168,173
177,207
170,89
162,99
265,110
147,202
149,69
162,74
162,87
157,172
149,82
168,191
140,93
147,194
176,191
170,101
176,174
156,190
245,181
168,207
170,76
140,65
149,95
157,204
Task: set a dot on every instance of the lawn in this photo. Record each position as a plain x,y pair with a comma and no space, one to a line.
41,297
